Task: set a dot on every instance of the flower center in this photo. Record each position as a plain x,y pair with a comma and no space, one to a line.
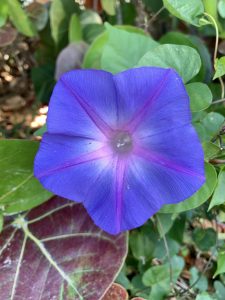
122,142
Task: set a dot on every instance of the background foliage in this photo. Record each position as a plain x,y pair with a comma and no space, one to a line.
50,249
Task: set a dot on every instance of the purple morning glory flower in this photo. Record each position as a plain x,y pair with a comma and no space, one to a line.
122,144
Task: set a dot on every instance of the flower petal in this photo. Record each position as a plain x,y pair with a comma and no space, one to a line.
81,104
150,184
152,99
67,166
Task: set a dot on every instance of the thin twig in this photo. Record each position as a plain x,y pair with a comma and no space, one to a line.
218,101
217,161
156,15
167,250
207,266
213,22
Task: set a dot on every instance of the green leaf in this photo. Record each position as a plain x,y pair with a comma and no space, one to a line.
60,14
221,8
179,38
220,264
220,290
109,6
166,222
204,296
204,238
209,126
219,67
199,197
118,55
88,17
210,150
92,59
41,130
43,88
20,19
184,59
200,96
92,31
143,242
218,197
4,10
201,282
158,277
75,31
19,190
160,273
189,11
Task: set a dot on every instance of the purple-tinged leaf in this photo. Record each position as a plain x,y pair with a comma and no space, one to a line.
116,292
7,36
56,252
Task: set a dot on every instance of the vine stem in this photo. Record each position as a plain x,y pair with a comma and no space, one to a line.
213,22
219,101
167,250
22,223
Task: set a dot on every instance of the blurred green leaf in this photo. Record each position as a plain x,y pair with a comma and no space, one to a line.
221,8
4,10
199,197
109,6
88,17
219,67
158,277
157,274
41,131
60,14
204,238
220,290
201,282
218,197
210,150
189,11
92,59
19,190
220,263
143,242
200,96
92,31
20,19
38,14
43,88
75,31
209,126
160,251
184,59
118,55
204,296
166,222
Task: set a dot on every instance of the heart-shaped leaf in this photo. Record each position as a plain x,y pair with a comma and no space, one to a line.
184,59
56,252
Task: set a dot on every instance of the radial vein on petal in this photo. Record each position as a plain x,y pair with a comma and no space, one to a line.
160,160
96,119
94,155
139,116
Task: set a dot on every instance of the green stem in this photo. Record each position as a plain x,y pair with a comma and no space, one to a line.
21,222
213,22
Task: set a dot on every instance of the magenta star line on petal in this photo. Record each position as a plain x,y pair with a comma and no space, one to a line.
122,144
